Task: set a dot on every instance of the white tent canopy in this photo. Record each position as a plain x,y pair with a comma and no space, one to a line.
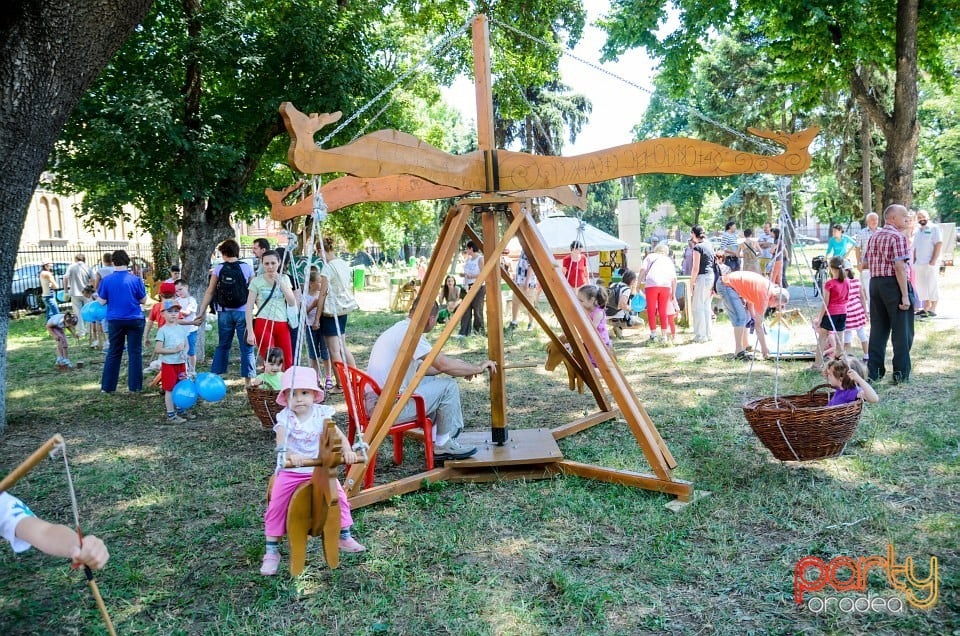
560,231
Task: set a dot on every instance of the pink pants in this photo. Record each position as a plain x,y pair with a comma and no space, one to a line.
657,299
287,481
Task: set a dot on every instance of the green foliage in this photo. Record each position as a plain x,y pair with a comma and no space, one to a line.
602,200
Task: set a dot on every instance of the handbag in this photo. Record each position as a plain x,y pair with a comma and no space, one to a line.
343,302
293,316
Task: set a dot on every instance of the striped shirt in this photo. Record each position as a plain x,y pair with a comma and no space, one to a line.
728,242
884,248
856,316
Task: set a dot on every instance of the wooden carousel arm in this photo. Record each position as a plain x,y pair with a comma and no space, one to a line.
348,190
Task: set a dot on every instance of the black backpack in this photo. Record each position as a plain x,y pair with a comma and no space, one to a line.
613,297
231,292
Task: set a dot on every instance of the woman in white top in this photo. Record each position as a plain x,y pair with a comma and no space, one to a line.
271,294
659,276
472,264
335,296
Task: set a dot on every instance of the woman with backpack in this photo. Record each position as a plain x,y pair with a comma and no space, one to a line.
228,290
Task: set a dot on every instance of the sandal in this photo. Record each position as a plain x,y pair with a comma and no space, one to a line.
329,385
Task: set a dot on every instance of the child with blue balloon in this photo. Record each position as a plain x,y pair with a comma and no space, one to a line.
171,346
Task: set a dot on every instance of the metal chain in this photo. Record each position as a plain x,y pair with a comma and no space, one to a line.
435,50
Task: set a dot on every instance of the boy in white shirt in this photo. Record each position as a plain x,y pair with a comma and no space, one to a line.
172,349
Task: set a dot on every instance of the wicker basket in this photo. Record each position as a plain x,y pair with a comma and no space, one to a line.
803,427
264,405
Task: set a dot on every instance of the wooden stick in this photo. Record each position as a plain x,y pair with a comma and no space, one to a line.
95,590
28,464
523,365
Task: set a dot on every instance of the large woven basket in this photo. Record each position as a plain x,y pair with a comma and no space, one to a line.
802,427
264,405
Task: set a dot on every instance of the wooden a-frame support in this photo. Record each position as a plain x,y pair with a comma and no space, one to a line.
515,453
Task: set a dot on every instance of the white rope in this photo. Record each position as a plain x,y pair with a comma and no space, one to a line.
360,445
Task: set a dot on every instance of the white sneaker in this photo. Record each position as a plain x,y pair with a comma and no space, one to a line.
452,450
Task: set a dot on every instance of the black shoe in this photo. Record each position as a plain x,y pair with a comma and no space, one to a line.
920,314
898,379
931,314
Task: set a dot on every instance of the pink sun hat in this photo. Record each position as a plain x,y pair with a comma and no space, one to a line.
299,378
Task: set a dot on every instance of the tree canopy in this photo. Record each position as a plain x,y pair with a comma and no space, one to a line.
872,49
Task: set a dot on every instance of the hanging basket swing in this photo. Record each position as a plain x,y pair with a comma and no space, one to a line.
802,427
263,402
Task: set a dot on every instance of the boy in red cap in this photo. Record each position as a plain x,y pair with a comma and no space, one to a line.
167,292
172,348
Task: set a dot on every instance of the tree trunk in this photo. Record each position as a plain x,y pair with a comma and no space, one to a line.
901,129
203,229
865,150
49,54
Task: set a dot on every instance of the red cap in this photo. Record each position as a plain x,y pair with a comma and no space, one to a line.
168,289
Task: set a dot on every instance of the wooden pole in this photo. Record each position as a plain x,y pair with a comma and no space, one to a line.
483,82
27,465
498,386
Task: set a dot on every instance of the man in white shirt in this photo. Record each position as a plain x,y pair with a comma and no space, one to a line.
441,395
78,276
872,220
927,243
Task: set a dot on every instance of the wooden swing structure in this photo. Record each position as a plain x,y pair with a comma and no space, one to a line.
497,187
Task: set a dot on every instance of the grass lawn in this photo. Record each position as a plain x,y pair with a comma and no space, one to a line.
181,507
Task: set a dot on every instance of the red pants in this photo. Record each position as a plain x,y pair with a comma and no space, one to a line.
657,299
273,333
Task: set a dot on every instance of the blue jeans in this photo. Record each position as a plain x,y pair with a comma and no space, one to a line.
230,321
132,330
734,305
50,303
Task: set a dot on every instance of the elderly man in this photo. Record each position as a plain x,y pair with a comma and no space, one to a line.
927,243
758,292
872,220
441,395
888,257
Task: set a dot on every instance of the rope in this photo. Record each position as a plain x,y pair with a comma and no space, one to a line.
597,67
319,217
94,589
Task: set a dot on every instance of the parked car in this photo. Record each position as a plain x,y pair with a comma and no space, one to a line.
25,287
805,241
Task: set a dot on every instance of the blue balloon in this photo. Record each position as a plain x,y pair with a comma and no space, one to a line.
184,394
211,387
93,312
638,303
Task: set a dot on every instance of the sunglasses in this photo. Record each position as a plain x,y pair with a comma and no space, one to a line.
922,221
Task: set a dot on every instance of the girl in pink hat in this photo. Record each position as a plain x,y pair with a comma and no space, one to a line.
299,428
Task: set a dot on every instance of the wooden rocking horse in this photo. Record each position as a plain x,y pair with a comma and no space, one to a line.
315,508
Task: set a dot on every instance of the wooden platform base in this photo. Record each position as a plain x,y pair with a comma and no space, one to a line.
524,446
527,454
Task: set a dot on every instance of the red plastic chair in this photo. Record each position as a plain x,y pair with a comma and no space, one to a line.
355,388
